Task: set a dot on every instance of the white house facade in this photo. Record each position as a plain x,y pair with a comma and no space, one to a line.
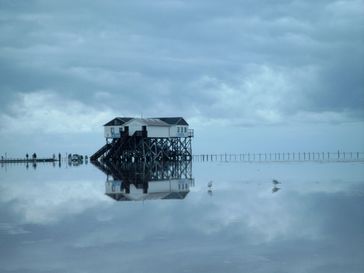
167,127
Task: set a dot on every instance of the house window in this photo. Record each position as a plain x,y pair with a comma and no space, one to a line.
185,129
177,129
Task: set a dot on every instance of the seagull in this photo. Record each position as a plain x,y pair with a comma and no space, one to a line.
209,185
275,182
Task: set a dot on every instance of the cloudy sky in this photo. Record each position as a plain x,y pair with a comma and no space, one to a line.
278,75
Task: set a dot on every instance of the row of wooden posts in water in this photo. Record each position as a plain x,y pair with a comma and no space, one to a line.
279,157
225,157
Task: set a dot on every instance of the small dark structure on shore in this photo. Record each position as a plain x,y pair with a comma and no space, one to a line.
145,140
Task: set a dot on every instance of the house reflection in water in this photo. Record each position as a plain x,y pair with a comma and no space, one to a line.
147,181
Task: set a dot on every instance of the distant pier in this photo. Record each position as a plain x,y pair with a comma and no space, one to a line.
69,159
24,160
282,157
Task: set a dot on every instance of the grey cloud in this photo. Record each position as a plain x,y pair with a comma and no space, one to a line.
152,57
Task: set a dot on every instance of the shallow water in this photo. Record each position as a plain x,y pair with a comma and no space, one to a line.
60,220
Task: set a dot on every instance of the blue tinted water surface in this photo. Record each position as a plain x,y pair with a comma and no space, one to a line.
60,220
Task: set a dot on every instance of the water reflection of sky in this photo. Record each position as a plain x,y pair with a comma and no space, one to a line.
60,220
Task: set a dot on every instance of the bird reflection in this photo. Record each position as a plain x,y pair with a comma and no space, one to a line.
147,181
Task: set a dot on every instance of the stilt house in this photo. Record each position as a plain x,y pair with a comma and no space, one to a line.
146,139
